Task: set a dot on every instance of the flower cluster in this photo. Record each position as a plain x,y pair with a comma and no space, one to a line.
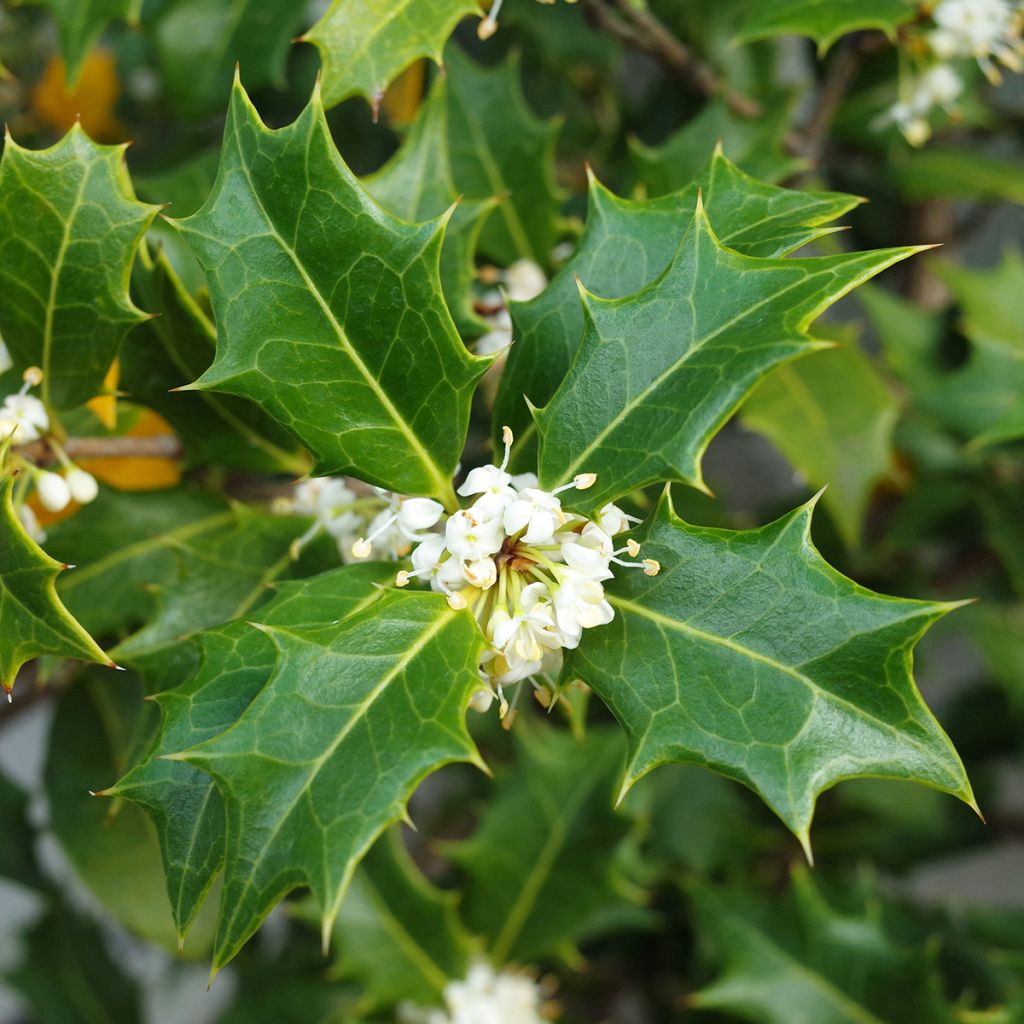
24,419
531,572
988,31
521,281
485,996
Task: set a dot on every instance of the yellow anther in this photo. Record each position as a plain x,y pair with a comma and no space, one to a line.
583,481
651,567
633,548
362,548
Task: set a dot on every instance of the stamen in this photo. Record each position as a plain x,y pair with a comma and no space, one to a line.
489,25
650,566
580,482
456,601
633,548
300,542
402,578
32,377
364,546
507,438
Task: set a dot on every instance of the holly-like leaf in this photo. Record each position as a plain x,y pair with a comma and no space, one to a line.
397,934
807,960
33,621
748,654
658,373
832,416
17,852
175,348
236,662
365,44
369,706
541,864
755,144
625,245
69,228
417,184
80,23
825,20
329,311
200,42
499,148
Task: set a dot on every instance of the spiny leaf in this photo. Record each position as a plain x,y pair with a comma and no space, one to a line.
236,662
365,44
750,655
659,373
625,245
417,184
329,311
397,934
370,706
824,20
541,864
175,348
832,416
498,147
69,228
80,23
32,619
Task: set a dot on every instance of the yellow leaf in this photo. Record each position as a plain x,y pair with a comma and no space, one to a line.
92,101
403,98
104,407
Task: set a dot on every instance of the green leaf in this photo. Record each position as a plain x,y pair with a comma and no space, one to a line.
80,23
397,934
825,20
371,705
832,416
33,621
750,655
625,245
498,147
175,348
200,42
124,544
69,228
754,144
417,184
17,852
329,311
236,662
936,173
365,44
805,960
541,864
658,373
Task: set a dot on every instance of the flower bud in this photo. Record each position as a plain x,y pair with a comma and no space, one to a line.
53,491
83,486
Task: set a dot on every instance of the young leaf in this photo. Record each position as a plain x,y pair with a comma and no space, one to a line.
824,20
750,655
329,311
396,933
365,44
80,23
499,148
832,416
542,861
371,706
173,349
69,228
32,619
659,373
236,662
417,184
625,245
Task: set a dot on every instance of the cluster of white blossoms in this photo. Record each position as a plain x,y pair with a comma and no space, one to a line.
531,572
522,280
24,419
988,31
485,997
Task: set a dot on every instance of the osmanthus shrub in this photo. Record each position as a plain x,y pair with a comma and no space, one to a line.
434,439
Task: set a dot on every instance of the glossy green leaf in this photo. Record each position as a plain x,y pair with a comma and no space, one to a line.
498,147
175,348
754,144
825,20
17,852
658,373
370,706
236,662
365,44
748,654
80,23
832,416
417,185
200,42
541,864
69,228
941,173
625,245
33,621
329,312
397,934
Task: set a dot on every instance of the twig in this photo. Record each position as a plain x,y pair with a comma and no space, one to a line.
643,31
164,446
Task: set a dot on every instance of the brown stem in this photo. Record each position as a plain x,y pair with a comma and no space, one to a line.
165,446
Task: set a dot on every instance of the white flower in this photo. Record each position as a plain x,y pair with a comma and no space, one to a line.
486,480
331,501
580,604
537,512
427,555
416,515
31,524
613,520
5,358
54,493
482,574
83,486
982,29
489,997
939,86
524,280
589,552
523,639
25,417
474,533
